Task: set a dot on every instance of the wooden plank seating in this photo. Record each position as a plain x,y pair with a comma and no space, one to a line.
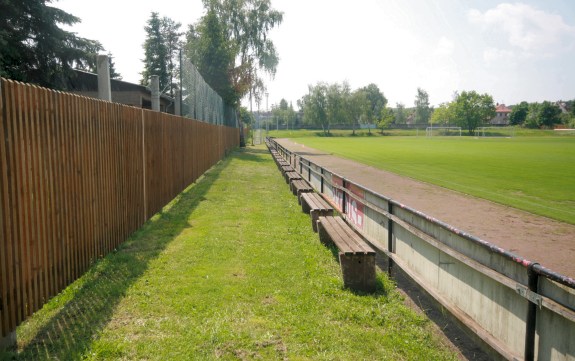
356,257
291,176
283,163
316,206
280,161
299,186
287,168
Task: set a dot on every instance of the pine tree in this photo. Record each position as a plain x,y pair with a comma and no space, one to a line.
161,50
155,53
33,48
211,53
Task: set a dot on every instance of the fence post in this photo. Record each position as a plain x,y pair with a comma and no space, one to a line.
103,68
530,323
389,236
321,180
343,197
145,191
155,88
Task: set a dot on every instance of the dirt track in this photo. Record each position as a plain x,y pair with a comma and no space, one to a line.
540,239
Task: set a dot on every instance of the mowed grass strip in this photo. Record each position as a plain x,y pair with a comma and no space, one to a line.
531,173
229,270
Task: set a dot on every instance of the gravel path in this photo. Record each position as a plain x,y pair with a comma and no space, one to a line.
537,238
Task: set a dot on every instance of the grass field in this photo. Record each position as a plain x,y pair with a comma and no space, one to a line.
534,171
230,270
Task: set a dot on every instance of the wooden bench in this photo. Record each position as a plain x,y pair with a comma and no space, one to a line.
316,206
356,257
299,186
291,176
281,162
287,168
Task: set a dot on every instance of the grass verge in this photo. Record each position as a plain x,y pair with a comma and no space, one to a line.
229,270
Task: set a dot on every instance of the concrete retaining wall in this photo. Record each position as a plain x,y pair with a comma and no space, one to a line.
485,287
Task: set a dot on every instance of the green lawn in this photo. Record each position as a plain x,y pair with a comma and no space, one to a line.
229,270
534,173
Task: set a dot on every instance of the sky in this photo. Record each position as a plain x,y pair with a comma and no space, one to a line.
513,51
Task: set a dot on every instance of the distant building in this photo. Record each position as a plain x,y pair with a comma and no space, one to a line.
501,115
86,84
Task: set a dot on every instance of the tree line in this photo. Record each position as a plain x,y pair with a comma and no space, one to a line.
529,115
328,104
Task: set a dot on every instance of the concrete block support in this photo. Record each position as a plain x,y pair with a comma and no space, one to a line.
358,271
155,88
104,87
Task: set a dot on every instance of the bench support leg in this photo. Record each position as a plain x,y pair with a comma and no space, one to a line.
315,217
358,272
300,192
304,206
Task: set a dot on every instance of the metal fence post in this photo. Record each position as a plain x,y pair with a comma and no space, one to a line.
343,197
530,323
389,236
321,180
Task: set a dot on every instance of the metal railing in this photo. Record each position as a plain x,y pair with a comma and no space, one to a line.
521,309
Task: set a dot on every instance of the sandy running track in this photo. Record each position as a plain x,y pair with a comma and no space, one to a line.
537,238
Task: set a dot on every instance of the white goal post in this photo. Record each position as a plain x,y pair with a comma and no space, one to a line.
442,131
501,132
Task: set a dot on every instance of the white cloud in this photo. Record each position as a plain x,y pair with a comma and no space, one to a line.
526,29
498,56
444,48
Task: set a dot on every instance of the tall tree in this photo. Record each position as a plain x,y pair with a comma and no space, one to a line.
172,35
336,98
213,55
472,109
155,52
248,23
315,106
422,108
33,47
284,113
387,118
161,50
519,113
377,103
549,114
358,108
400,114
444,114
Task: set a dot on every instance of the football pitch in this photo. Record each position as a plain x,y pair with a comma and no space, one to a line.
536,174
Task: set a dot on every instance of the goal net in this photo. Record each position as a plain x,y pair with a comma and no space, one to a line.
502,132
442,131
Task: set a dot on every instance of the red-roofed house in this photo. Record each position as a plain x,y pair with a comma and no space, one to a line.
501,115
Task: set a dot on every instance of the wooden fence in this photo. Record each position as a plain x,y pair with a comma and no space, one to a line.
77,177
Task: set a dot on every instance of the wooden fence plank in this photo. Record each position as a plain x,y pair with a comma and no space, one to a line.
77,177
5,234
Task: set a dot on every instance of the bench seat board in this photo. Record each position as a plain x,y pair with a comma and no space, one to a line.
346,240
290,176
299,186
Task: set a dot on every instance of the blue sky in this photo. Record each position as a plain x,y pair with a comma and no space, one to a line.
513,51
